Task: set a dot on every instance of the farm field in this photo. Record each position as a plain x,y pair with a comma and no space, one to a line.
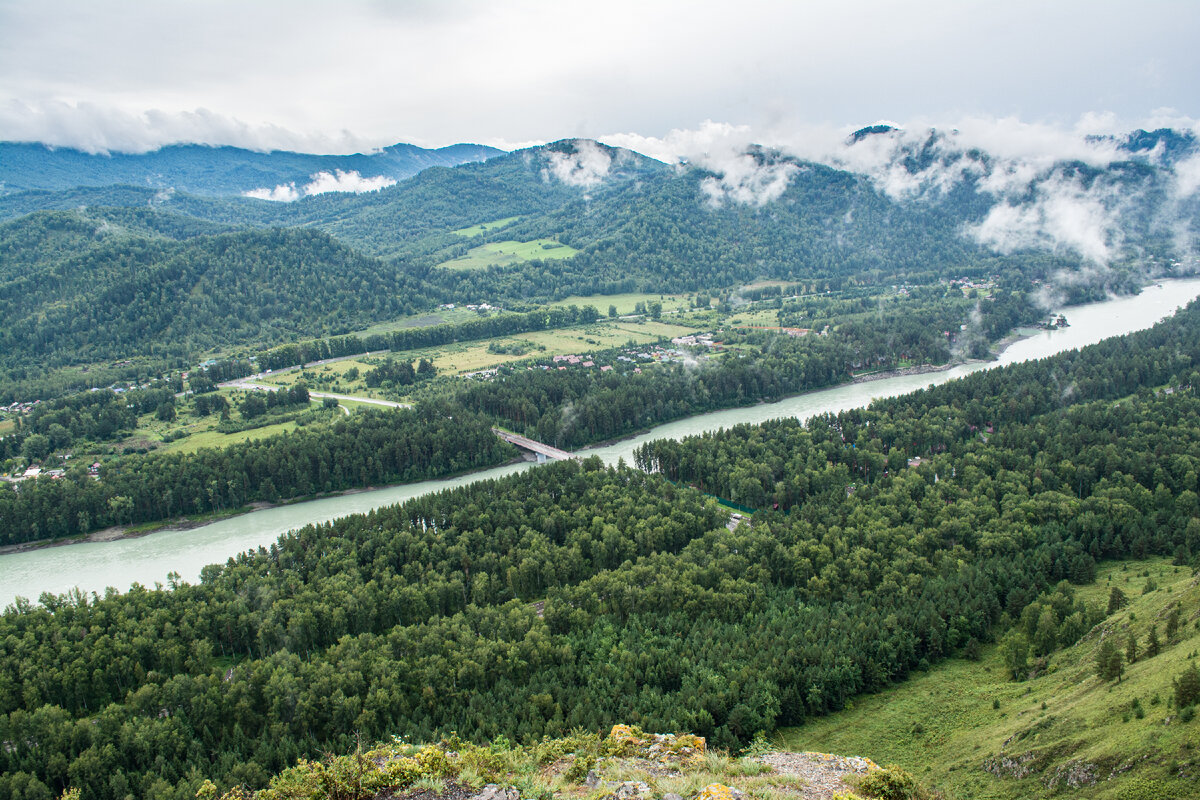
507,253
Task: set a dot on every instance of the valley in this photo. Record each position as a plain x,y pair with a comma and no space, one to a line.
272,415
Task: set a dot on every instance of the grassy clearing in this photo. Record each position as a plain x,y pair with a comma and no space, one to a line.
941,725
766,317
507,253
472,356
326,377
213,438
625,303
485,227
444,316
7,425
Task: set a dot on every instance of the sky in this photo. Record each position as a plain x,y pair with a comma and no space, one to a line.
106,75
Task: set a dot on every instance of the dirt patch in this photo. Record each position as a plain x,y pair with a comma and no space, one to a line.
452,791
822,773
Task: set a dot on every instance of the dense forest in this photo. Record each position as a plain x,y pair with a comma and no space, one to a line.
417,619
370,447
73,290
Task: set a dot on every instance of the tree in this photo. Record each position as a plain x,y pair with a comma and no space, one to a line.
1152,644
165,411
253,406
1014,649
1116,600
1045,638
1173,623
1131,648
121,508
1187,687
612,312
1109,661
36,447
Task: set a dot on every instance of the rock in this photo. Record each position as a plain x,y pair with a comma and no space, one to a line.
1072,774
592,780
671,796
719,791
1006,766
494,791
633,789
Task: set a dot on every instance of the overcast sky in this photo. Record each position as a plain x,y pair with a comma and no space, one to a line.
346,76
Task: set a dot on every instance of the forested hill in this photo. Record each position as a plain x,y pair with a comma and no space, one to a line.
76,288
211,170
427,618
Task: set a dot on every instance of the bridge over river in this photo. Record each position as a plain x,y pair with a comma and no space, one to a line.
537,447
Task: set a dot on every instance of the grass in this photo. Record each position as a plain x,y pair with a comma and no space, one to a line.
326,377
472,356
766,317
212,438
941,725
7,425
509,252
445,316
485,227
625,303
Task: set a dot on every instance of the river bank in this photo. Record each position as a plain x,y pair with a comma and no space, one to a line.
118,533
148,558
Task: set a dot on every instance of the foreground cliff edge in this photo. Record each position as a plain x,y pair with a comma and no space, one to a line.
628,764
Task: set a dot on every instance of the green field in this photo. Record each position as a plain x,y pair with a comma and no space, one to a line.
765,318
212,438
625,303
507,253
444,316
941,725
326,377
485,227
472,356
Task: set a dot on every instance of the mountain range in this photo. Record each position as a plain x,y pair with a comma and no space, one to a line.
217,171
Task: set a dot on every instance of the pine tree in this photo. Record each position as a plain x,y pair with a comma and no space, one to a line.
1109,661
1116,600
1131,648
1152,644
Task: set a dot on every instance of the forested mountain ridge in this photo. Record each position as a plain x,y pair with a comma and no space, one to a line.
923,207
75,288
205,170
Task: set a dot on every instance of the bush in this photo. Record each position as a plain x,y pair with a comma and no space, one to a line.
889,783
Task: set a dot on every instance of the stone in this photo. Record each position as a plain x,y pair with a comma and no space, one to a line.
494,791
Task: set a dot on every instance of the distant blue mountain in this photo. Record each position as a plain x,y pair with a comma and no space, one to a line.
213,171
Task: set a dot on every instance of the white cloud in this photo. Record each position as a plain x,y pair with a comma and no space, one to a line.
322,182
586,166
96,128
283,193
745,179
1063,214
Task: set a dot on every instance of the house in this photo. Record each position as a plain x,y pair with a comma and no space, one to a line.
32,472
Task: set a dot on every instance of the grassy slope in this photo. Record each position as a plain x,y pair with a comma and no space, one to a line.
941,725
485,227
509,252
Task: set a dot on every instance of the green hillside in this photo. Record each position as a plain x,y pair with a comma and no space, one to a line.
78,289
969,729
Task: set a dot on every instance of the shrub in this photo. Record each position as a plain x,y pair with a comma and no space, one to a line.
889,783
